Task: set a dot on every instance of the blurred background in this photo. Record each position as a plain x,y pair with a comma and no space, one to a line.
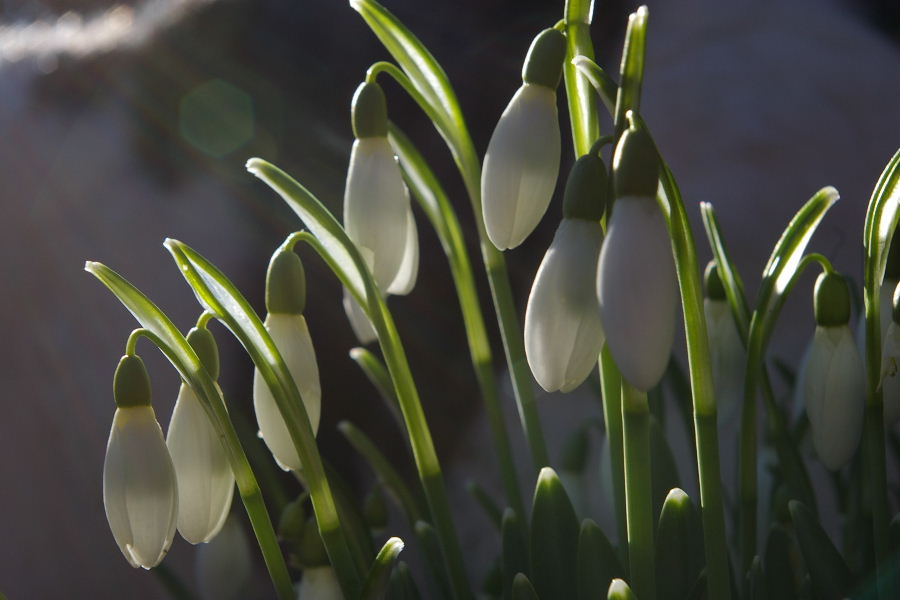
122,123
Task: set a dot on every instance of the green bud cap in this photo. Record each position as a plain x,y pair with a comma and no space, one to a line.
375,509
204,344
635,165
285,283
368,111
832,300
586,189
715,290
293,519
310,550
131,383
892,268
896,304
544,62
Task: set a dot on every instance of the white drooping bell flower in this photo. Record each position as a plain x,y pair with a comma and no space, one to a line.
726,348
319,583
205,479
636,283
522,160
377,212
224,568
890,361
834,381
140,492
563,332
285,301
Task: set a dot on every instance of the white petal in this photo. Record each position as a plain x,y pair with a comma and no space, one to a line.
405,280
319,583
359,320
835,395
521,166
223,566
728,357
205,480
637,291
563,332
139,489
890,356
291,336
376,203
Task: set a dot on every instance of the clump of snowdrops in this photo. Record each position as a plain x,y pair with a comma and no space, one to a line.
623,261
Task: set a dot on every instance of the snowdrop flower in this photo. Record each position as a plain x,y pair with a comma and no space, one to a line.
223,568
319,583
834,381
636,275
359,320
726,348
140,493
563,332
285,301
522,160
205,480
377,211
890,360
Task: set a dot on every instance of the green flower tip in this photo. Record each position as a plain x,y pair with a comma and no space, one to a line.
547,480
677,498
619,590
544,62
715,290
131,383
522,588
285,283
368,111
204,344
586,189
831,300
635,163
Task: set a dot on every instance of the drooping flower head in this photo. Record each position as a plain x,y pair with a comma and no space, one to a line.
522,160
636,283
563,332
140,493
205,479
285,301
833,383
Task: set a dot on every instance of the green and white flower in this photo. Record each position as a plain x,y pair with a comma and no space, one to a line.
140,493
522,160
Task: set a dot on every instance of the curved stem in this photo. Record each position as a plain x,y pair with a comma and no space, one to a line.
205,317
137,334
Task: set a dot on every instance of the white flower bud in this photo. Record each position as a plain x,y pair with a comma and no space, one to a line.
890,356
205,480
319,583
405,280
377,213
223,568
521,166
637,291
728,357
139,489
291,336
834,391
563,332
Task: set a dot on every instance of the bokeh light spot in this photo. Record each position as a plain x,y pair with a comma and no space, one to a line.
216,118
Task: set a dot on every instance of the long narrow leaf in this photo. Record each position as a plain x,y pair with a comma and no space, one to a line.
582,108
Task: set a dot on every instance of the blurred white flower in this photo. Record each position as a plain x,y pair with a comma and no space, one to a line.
140,493
890,356
563,332
205,480
291,337
319,583
728,357
224,567
359,320
834,390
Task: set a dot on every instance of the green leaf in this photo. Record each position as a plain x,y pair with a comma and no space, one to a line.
379,578
679,547
619,590
378,376
434,558
554,539
731,279
632,70
385,471
779,561
218,295
605,86
756,581
830,575
582,109
598,563
514,550
881,221
403,586
522,589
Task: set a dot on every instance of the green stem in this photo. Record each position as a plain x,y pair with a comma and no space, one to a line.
638,496
711,494
610,383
